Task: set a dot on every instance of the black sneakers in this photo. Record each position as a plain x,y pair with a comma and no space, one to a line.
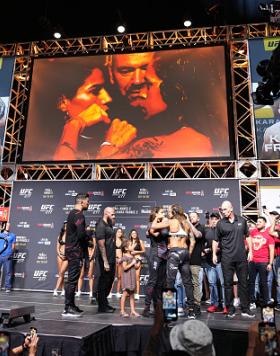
247,313
191,314
146,312
71,313
77,309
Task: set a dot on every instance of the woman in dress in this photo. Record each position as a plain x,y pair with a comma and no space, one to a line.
138,249
129,267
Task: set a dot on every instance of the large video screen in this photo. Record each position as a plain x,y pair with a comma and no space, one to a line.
149,105
6,75
267,117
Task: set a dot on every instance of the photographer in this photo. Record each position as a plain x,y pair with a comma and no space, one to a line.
7,248
274,231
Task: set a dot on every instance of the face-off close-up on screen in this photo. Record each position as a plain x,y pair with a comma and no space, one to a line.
149,105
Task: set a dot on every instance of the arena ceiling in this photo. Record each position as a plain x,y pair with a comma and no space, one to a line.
27,21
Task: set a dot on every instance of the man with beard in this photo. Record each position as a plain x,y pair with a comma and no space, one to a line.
76,237
150,111
105,258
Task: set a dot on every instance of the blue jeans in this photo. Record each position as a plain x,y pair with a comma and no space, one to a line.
181,294
213,275
276,270
7,263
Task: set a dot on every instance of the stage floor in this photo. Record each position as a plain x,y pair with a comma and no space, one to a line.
50,324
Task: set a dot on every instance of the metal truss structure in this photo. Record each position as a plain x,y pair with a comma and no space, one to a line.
246,168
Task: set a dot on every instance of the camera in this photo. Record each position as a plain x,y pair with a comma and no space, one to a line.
169,304
207,215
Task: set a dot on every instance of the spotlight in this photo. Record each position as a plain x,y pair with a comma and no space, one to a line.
57,35
121,29
187,23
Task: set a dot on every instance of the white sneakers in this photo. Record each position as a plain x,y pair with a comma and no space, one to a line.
236,302
55,293
78,294
181,311
118,295
253,306
136,296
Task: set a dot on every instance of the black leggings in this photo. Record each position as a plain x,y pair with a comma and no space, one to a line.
179,259
156,280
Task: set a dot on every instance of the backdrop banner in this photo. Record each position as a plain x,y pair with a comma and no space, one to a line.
270,194
39,208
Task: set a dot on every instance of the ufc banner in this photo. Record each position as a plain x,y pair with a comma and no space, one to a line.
39,208
270,194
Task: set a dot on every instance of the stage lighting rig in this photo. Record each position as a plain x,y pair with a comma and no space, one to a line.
268,89
273,9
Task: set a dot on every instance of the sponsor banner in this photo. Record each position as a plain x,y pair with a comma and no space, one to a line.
267,117
39,209
270,194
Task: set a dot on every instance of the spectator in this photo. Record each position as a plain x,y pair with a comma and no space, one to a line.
193,337
7,248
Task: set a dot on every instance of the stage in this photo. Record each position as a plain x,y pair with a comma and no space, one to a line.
107,334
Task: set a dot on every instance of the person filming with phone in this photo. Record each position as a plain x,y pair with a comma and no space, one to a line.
28,347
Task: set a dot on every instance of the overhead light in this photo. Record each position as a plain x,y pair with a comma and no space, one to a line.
121,29
187,23
57,35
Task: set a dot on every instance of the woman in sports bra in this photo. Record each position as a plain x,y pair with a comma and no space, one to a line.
62,262
179,252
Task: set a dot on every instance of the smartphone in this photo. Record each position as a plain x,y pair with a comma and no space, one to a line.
267,330
169,304
268,315
4,343
33,331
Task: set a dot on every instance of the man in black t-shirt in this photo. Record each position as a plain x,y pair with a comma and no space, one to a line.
76,237
231,233
105,262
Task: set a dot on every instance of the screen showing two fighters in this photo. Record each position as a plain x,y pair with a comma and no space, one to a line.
150,105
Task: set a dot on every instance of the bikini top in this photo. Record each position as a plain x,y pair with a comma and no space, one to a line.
180,233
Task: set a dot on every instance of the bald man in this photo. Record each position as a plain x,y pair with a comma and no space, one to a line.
231,232
105,263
